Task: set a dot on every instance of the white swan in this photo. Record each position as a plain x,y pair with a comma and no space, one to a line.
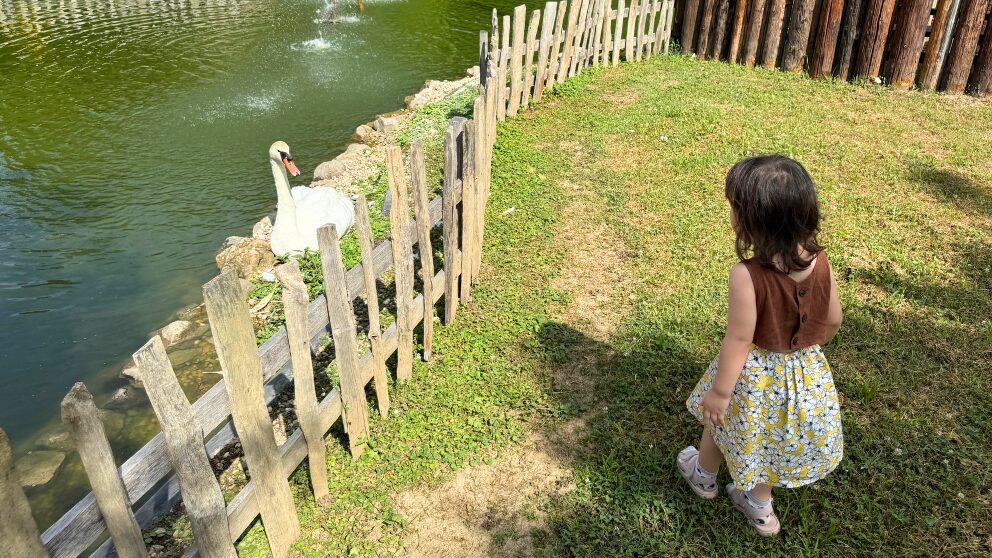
303,210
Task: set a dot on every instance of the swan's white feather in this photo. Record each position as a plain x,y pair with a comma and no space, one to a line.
315,207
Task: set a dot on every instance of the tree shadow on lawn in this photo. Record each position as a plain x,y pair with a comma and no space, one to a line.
621,420
951,187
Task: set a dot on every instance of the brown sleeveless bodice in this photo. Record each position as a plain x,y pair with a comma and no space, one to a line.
791,315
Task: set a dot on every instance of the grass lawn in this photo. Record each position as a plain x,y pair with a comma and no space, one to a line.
602,300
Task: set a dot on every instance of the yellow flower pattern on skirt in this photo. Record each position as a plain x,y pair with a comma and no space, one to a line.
783,423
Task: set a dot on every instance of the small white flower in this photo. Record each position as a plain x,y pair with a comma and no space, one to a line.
898,451
267,276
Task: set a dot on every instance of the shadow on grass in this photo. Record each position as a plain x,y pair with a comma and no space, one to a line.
951,187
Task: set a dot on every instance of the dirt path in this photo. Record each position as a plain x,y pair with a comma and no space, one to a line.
495,510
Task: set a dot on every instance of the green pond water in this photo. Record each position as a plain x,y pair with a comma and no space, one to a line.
133,140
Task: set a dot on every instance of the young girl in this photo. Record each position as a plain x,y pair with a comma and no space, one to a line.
767,402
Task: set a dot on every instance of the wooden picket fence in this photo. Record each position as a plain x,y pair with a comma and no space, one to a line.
175,466
931,44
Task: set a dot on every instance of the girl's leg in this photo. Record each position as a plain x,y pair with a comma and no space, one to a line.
710,456
761,492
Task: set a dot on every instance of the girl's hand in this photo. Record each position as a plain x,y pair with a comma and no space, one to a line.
714,408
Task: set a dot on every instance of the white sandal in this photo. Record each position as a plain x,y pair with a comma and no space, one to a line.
762,518
687,461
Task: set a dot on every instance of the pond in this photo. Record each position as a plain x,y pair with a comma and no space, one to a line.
133,140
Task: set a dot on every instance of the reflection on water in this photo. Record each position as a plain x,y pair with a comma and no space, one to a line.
133,139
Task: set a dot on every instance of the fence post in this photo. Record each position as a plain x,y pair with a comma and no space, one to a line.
912,27
529,81
481,183
550,12
399,224
822,62
848,35
566,51
608,33
628,47
183,434
556,44
800,24
18,530
295,301
618,31
737,33
597,42
874,33
773,36
341,316
720,31
940,41
363,227
981,80
516,56
754,33
469,211
418,179
449,211
965,44
668,25
504,60
483,56
83,422
234,338
690,19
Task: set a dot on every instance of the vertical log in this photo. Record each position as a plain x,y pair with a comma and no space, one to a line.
399,226
295,302
535,21
469,210
516,59
547,35
981,79
504,60
826,38
720,31
875,32
421,199
363,228
737,32
965,45
618,31
705,28
554,64
234,338
183,434
449,212
628,47
800,24
848,37
939,43
83,422
690,20
18,530
912,26
753,36
566,54
773,34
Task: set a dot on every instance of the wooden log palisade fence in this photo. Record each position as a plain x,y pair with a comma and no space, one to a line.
563,39
929,44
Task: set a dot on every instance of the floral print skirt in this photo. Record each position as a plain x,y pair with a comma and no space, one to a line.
783,424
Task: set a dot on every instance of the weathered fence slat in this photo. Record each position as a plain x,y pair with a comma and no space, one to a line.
737,32
912,26
597,43
720,30
341,315
822,62
628,46
965,44
480,183
566,53
796,40
642,27
941,32
753,35
773,34
668,25
363,229
690,22
399,222
234,338
981,76
202,497
421,199
547,35
295,302
577,47
504,61
848,36
18,530
82,419
659,27
469,210
450,221
516,59
618,31
490,127
608,34
483,56
874,34
557,39
529,52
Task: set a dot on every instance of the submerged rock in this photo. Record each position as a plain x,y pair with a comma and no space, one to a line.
133,374
176,332
39,467
120,395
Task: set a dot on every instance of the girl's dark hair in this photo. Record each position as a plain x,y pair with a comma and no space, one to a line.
776,210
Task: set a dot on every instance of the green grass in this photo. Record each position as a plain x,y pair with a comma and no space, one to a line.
906,186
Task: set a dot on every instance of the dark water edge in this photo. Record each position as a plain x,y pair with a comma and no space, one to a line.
133,140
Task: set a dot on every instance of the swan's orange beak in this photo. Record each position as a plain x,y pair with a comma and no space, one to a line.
290,166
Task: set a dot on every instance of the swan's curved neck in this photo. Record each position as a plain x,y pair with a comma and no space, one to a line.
287,207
